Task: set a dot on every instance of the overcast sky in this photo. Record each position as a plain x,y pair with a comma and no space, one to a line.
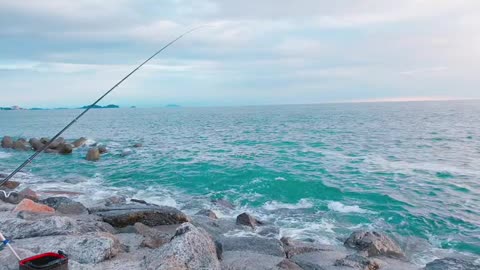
66,53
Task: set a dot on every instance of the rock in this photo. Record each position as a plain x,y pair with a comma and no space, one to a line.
219,249
223,203
65,148
27,225
80,142
269,231
55,144
125,215
246,260
6,206
88,248
28,194
286,264
93,154
9,262
319,259
7,142
357,262
452,264
50,151
126,152
293,247
65,205
207,213
216,227
139,201
137,145
190,248
31,206
13,198
20,145
115,200
248,220
102,149
152,238
44,140
131,241
374,244
253,244
36,144
10,184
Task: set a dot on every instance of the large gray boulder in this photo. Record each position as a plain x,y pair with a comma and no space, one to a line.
374,244
20,145
248,220
65,205
356,261
190,248
85,249
34,225
125,215
36,144
208,213
253,244
64,148
153,238
80,142
452,264
320,259
56,143
7,142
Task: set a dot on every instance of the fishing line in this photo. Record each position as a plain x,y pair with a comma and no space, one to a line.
26,162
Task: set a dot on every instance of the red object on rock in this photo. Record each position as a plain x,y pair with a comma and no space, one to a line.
45,261
31,206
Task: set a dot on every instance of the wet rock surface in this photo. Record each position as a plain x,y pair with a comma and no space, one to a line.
452,264
248,220
374,244
65,205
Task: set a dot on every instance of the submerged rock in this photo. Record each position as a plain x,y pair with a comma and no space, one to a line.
137,145
452,264
31,206
80,142
190,248
125,215
358,262
223,203
7,142
248,220
207,213
374,244
65,205
102,149
93,154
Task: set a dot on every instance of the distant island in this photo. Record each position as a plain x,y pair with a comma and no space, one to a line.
110,106
172,106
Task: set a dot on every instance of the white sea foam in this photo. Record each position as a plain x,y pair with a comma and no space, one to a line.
5,155
340,207
280,179
275,205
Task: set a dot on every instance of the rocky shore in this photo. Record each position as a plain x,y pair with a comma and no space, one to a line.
123,233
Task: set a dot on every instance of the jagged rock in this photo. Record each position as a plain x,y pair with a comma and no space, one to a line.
80,142
246,260
254,244
85,249
102,149
13,198
31,206
357,262
9,184
293,247
248,220
29,194
35,225
190,248
152,238
137,145
7,142
64,148
223,203
93,154
207,213
286,264
36,144
452,264
20,145
9,262
374,244
65,205
124,215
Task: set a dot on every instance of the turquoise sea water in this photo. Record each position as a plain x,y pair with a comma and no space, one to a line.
317,171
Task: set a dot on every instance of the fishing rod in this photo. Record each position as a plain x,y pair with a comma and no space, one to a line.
26,162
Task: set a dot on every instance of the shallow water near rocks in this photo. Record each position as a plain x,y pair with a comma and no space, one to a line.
317,171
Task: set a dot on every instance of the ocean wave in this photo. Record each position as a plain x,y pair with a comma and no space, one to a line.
275,205
5,155
340,207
